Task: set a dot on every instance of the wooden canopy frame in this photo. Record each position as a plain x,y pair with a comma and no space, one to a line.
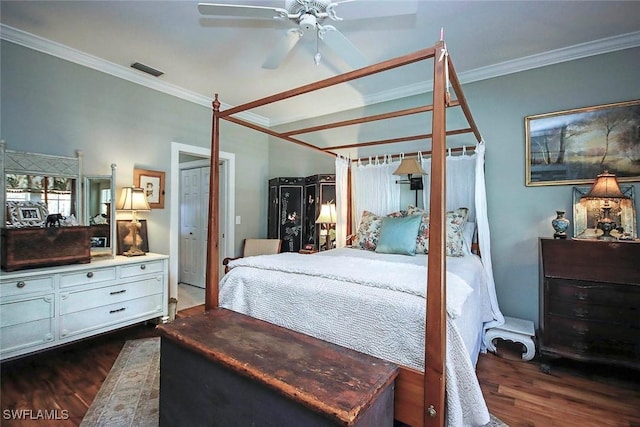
420,397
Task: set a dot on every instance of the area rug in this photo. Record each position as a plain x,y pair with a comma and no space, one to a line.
130,394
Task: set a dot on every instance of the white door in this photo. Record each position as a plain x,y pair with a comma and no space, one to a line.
194,224
191,231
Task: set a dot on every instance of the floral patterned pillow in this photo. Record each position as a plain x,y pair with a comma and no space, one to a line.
369,230
455,222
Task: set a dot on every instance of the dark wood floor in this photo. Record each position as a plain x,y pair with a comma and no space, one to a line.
68,378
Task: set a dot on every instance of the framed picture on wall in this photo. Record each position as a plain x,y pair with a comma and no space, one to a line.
574,146
152,182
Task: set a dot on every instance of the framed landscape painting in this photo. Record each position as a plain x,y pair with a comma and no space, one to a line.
574,146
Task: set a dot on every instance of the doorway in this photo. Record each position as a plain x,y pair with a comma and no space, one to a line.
186,157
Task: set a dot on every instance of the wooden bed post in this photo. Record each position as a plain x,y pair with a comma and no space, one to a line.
435,340
213,251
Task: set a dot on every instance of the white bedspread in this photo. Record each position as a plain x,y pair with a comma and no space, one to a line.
370,305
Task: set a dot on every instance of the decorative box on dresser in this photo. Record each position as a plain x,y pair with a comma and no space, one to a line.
46,307
590,300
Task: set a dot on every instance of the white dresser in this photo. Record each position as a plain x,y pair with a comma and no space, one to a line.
45,307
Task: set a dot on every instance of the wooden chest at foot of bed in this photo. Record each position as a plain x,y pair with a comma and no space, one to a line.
43,247
223,368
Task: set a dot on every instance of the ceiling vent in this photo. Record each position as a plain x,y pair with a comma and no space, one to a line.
147,69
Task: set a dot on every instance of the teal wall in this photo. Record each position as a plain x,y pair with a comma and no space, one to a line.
519,215
53,106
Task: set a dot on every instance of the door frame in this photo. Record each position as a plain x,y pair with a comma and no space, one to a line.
178,148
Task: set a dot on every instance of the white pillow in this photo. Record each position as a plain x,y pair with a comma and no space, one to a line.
467,236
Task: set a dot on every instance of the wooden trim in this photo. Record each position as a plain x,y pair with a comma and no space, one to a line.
211,299
360,120
435,341
457,87
400,139
332,81
274,133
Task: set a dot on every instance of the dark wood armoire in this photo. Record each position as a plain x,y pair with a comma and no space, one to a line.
294,204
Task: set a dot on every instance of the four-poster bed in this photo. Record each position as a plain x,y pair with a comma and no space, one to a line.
420,395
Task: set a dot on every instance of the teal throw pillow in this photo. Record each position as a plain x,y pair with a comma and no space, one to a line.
398,235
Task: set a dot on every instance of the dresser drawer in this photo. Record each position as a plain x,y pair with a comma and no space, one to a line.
26,285
26,323
628,316
109,315
593,338
613,295
83,300
26,310
141,269
88,276
19,337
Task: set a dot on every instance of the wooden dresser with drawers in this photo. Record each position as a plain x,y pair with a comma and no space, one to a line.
590,300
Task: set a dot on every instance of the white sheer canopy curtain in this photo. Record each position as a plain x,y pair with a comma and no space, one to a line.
342,201
466,188
484,238
375,188
460,183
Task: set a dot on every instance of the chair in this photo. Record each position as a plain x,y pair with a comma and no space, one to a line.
253,247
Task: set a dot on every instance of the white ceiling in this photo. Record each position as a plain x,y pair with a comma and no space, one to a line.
203,55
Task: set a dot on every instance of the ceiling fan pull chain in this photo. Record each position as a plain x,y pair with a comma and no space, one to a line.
317,57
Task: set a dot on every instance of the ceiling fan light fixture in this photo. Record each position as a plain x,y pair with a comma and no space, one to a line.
308,22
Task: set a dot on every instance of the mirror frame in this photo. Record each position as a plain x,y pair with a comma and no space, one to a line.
20,162
111,250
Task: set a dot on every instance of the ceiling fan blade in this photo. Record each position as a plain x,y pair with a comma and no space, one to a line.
282,49
343,47
353,9
259,12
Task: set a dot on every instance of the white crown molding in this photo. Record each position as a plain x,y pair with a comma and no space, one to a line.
58,50
557,56
583,50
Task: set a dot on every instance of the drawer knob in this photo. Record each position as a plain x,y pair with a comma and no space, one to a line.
122,291
143,267
90,274
582,296
580,311
117,310
21,284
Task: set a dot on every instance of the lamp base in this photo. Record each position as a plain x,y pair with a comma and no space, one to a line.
133,251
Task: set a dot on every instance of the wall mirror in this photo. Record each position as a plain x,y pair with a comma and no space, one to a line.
100,212
37,185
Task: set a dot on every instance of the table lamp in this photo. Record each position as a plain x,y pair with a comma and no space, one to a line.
327,217
605,188
133,199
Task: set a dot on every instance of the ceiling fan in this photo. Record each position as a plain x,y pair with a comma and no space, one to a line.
308,16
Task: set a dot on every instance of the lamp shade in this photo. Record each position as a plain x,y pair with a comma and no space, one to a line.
605,187
327,214
410,166
133,199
